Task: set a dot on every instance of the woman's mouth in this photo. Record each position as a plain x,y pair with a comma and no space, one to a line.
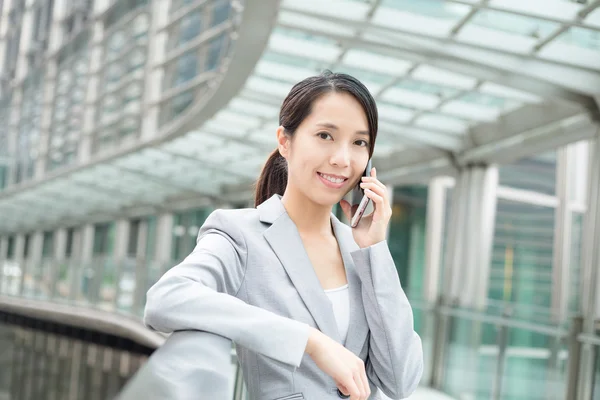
332,181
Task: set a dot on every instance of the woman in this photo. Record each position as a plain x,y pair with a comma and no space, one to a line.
315,307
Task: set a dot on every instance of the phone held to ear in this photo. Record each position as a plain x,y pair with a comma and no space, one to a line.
359,200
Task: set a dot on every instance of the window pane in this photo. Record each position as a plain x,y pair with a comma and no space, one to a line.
407,237
521,270
537,173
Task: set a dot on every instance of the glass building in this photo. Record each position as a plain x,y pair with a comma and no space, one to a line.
124,123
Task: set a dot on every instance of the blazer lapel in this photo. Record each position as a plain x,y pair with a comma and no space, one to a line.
285,240
359,328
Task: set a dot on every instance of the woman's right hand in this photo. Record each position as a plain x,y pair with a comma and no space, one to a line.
341,364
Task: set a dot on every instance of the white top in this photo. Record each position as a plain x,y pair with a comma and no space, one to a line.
340,300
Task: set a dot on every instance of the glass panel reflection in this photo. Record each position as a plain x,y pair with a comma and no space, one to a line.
29,128
536,173
581,37
470,371
535,366
596,395
521,268
4,116
67,115
120,100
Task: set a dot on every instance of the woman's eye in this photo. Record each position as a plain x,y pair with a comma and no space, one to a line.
324,135
362,143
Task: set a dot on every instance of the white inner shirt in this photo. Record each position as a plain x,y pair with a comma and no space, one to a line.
340,300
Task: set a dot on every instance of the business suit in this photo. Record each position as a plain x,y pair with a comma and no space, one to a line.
189,365
250,279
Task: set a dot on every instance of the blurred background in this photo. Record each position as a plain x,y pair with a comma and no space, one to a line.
124,123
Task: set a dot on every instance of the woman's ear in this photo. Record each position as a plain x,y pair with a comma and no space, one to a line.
283,142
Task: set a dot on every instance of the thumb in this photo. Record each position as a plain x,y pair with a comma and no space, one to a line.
346,208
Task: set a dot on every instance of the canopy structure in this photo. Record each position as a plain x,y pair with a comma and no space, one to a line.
456,82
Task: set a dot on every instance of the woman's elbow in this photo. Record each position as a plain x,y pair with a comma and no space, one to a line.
156,310
409,374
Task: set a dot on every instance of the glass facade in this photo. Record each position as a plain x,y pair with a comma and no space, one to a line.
407,237
195,49
68,110
28,135
186,226
4,143
521,269
122,89
537,174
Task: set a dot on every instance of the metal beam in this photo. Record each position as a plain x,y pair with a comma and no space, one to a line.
157,179
543,78
203,163
490,6
399,32
532,141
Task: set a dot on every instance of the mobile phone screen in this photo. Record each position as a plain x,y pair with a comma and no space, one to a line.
359,201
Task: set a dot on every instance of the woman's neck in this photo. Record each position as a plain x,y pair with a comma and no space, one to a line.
309,217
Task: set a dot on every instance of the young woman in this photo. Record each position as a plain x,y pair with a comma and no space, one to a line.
314,307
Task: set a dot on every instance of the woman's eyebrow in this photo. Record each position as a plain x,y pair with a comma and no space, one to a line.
335,127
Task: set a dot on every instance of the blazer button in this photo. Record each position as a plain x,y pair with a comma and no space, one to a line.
342,395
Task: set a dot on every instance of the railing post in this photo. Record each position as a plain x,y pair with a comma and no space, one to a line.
574,358
442,322
502,346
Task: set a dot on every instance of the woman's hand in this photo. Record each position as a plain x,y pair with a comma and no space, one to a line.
347,370
372,228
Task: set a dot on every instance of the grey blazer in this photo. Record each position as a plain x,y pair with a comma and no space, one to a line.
189,365
250,279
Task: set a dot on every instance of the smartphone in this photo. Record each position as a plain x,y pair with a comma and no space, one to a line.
359,200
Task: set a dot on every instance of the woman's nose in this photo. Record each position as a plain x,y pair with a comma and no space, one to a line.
341,157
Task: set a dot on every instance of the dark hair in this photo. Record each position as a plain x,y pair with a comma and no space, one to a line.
295,108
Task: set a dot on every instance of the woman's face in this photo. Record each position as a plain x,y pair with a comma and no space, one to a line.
330,149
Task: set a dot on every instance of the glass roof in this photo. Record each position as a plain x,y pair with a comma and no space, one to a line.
439,70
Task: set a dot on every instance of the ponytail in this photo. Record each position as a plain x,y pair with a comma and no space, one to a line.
273,178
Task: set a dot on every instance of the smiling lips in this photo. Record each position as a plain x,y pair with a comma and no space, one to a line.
332,181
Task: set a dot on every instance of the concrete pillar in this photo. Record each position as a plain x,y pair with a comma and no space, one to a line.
3,257
19,259
561,260
93,88
470,237
59,260
164,241
122,228
13,132
154,69
142,264
34,262
24,43
467,260
591,273
76,265
3,31
436,208
84,272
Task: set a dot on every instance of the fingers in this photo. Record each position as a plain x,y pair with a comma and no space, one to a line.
382,210
360,379
363,376
349,387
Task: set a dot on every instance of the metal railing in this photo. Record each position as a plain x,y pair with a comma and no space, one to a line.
486,345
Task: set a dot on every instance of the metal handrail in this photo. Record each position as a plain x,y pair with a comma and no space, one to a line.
83,317
589,339
503,321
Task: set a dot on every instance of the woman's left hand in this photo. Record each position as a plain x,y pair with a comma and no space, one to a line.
372,228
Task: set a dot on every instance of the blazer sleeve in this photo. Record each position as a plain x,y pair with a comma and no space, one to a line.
200,294
395,359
